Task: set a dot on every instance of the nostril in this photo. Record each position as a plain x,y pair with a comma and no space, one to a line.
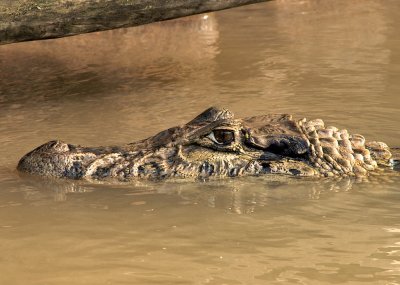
57,146
50,144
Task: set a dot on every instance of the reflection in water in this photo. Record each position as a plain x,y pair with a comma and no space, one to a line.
114,59
338,62
335,60
240,196
281,230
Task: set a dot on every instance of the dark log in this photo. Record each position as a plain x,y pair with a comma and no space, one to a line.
26,20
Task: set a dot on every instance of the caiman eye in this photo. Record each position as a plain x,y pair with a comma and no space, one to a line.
222,137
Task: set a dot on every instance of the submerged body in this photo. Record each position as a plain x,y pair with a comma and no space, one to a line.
214,144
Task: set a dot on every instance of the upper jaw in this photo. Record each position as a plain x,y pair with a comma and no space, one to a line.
56,158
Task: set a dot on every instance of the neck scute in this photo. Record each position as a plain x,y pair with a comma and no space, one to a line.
336,152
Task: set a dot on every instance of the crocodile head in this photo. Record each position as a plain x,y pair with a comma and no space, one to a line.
215,144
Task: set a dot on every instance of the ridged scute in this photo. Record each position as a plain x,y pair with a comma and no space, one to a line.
335,152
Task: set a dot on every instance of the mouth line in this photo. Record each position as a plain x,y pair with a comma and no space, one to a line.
274,157
287,167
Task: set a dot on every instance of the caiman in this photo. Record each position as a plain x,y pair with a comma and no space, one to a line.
215,144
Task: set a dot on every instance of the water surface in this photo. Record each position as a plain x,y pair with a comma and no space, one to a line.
335,60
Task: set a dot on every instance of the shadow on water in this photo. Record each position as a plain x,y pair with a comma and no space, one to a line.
98,64
244,195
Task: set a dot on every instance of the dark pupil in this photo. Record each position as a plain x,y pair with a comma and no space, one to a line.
223,136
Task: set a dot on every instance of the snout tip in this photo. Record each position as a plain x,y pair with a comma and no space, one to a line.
40,159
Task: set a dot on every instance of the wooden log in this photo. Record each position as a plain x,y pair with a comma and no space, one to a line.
27,20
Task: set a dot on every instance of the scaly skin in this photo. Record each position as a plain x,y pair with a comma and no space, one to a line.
214,144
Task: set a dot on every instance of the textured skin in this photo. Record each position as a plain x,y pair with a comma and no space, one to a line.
269,144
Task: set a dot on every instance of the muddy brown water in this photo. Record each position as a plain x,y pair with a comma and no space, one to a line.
335,60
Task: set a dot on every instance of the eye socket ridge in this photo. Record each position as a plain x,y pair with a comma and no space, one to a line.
222,136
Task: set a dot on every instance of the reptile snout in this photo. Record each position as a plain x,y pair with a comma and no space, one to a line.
44,157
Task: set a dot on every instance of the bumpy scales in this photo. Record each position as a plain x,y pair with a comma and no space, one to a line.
216,144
